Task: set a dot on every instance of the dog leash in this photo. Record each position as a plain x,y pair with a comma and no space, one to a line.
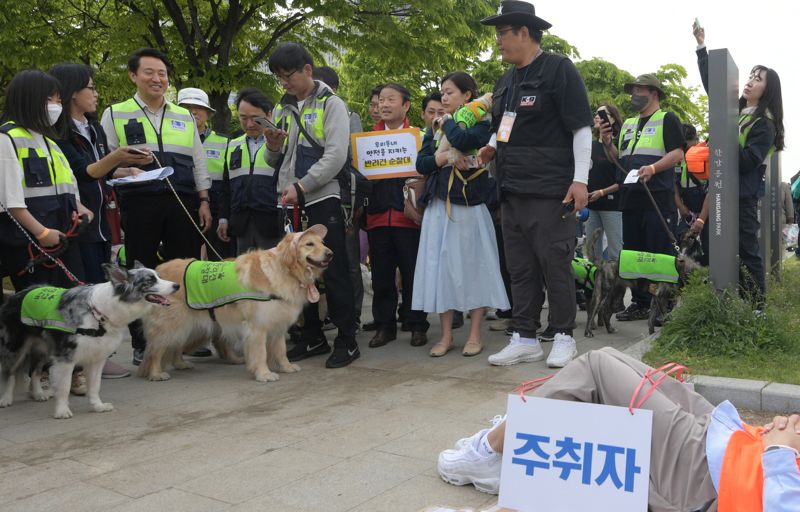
670,234
209,245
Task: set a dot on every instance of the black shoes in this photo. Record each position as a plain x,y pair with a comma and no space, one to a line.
381,338
309,347
418,339
549,334
343,355
633,312
369,326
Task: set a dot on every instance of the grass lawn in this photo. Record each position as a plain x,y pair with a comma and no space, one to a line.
720,335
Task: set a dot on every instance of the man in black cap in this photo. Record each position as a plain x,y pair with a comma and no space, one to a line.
652,144
542,124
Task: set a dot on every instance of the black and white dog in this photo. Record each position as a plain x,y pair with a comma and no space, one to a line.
99,314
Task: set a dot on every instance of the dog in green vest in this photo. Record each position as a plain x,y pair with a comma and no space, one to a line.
250,301
80,326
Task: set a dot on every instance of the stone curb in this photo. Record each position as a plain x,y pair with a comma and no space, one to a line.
756,395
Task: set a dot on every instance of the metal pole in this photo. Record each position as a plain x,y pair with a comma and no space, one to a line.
723,190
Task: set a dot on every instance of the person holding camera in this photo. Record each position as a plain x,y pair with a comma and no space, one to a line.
761,133
604,211
249,197
458,264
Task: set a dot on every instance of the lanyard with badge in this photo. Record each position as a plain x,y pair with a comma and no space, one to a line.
509,116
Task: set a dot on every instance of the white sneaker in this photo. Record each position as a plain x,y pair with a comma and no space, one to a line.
517,352
466,466
564,350
473,439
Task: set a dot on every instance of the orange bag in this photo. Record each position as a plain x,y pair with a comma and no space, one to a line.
697,160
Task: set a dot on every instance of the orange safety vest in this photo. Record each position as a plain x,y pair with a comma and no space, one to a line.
741,483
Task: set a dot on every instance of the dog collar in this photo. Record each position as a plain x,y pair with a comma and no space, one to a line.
101,320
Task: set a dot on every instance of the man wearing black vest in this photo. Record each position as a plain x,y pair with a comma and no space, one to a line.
541,119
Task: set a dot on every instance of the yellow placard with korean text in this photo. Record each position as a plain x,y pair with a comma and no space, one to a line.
387,153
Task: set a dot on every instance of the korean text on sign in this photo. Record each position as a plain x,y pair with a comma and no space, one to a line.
566,456
386,154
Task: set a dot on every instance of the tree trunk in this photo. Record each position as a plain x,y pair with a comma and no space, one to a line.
222,116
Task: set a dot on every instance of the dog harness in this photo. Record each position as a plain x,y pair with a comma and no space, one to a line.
211,284
40,309
661,268
584,271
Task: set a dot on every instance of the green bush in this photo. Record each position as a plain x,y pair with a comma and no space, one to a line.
712,323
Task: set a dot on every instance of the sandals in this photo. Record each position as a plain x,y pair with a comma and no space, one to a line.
441,349
472,348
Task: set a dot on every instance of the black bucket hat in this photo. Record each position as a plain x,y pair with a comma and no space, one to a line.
516,13
648,80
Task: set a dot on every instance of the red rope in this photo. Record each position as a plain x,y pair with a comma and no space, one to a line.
667,369
530,385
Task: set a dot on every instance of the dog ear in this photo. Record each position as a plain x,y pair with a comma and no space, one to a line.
137,264
317,229
115,274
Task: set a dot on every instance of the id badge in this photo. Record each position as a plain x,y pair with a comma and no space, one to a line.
506,125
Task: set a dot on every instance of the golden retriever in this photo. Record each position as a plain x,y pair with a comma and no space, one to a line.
288,272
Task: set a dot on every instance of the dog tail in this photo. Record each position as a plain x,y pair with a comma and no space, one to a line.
590,245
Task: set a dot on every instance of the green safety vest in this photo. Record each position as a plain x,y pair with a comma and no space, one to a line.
745,120
660,268
215,146
211,284
40,309
584,271
49,187
647,149
312,116
173,143
253,183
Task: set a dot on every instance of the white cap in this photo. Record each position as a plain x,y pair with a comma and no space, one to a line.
194,96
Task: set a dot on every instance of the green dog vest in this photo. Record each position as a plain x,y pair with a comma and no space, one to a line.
40,309
211,284
584,271
647,265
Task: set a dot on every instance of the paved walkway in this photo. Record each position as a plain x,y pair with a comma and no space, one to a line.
363,438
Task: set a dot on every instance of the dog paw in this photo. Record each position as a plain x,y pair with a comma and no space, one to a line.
588,334
235,360
266,376
612,330
158,377
290,368
103,407
62,414
184,365
6,402
41,396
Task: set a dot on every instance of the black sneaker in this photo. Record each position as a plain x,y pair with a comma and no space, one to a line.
633,312
549,334
316,346
369,326
327,324
342,356
138,355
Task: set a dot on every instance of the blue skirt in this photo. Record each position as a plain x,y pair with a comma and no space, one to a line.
457,262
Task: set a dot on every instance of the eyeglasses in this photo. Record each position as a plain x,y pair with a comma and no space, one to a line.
285,78
500,33
91,88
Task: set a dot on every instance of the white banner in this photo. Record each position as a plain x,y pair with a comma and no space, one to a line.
386,154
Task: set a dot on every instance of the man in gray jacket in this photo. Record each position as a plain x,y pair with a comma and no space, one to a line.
309,150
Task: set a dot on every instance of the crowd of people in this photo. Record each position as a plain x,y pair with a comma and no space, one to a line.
505,174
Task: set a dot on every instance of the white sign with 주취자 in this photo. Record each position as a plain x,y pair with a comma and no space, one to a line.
565,456
386,154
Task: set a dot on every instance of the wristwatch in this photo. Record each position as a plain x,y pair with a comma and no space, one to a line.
205,200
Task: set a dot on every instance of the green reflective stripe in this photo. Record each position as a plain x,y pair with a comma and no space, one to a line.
260,166
136,113
215,147
64,188
211,284
238,173
647,265
40,309
181,150
651,139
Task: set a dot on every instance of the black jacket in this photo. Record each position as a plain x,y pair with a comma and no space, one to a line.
95,193
477,191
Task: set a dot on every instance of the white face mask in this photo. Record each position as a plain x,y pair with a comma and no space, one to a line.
54,112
